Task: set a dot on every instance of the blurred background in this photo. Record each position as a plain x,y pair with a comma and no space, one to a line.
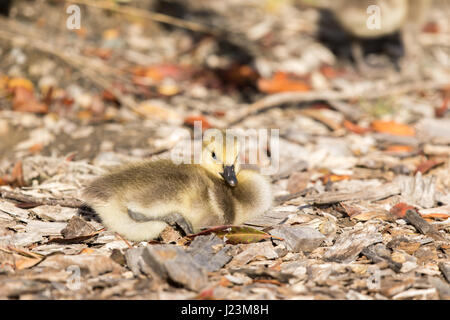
110,81
359,91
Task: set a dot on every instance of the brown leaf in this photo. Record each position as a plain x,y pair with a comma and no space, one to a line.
17,174
426,166
102,53
442,110
399,210
76,231
350,126
160,72
36,148
25,262
25,101
189,121
330,72
351,210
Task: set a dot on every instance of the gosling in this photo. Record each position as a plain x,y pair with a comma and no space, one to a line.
139,200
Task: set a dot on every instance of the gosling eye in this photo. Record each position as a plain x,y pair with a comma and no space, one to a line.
213,154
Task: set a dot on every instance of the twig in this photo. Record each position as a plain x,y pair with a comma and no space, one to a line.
414,218
375,193
278,99
64,202
145,14
123,239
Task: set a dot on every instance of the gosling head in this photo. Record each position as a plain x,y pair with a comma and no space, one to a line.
220,156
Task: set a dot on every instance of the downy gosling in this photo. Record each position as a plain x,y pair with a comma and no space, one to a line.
139,200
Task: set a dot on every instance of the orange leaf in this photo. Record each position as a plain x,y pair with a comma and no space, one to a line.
25,101
36,148
25,262
399,148
189,121
224,282
85,115
110,34
350,210
17,175
334,178
15,83
207,294
102,53
392,127
162,71
329,72
436,216
431,27
87,251
282,82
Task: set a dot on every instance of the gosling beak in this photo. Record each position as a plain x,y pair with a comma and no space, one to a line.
229,175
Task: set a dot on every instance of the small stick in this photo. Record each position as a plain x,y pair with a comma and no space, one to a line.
277,99
124,240
414,218
64,202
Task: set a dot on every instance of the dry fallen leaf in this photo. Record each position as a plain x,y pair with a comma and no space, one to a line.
334,178
442,110
393,128
427,165
236,234
160,72
350,126
26,262
24,100
15,179
399,210
15,83
189,121
399,149
282,82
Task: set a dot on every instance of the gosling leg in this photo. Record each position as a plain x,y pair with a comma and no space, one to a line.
172,219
